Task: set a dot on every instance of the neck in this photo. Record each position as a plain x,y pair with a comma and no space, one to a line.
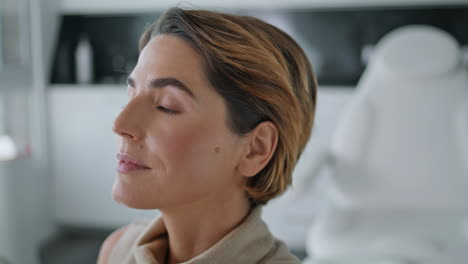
196,227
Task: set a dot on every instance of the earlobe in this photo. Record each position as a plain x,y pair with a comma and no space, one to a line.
261,146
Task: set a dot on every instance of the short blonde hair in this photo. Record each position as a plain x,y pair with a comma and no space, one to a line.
261,73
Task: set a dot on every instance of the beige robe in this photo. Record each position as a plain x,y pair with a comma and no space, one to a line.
145,241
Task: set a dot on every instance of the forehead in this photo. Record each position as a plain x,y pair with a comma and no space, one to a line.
170,56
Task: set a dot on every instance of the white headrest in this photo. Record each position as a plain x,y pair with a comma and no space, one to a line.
417,50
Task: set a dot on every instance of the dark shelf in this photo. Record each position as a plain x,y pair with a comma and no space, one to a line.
333,38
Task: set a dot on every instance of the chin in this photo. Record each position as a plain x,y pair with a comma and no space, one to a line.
131,199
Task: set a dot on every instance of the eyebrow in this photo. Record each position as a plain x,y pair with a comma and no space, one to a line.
163,82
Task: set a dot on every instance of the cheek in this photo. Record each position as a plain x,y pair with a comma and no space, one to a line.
195,157
188,144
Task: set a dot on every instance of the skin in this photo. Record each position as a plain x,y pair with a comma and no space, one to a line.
198,165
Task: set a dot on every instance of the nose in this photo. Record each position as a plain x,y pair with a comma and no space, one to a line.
126,124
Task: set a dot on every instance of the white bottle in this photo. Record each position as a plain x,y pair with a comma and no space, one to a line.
84,61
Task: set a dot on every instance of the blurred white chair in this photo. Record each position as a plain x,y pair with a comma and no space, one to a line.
398,190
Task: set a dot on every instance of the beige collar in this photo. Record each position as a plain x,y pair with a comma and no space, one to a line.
248,243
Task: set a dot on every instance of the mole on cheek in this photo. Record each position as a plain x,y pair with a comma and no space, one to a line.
217,149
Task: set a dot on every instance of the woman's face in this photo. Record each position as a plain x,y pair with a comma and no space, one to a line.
174,123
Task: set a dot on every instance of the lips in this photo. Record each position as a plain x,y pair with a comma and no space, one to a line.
128,163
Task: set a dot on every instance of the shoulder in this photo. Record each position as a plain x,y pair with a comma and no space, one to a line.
109,244
123,238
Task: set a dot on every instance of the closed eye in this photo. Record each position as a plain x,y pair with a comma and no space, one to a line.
167,110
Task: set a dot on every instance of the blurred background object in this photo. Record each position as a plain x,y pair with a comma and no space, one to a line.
397,191
63,65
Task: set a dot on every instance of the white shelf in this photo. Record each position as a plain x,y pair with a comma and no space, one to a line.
149,6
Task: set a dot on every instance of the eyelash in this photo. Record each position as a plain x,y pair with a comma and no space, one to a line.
167,110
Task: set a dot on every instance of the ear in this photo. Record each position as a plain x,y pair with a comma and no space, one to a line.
261,145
